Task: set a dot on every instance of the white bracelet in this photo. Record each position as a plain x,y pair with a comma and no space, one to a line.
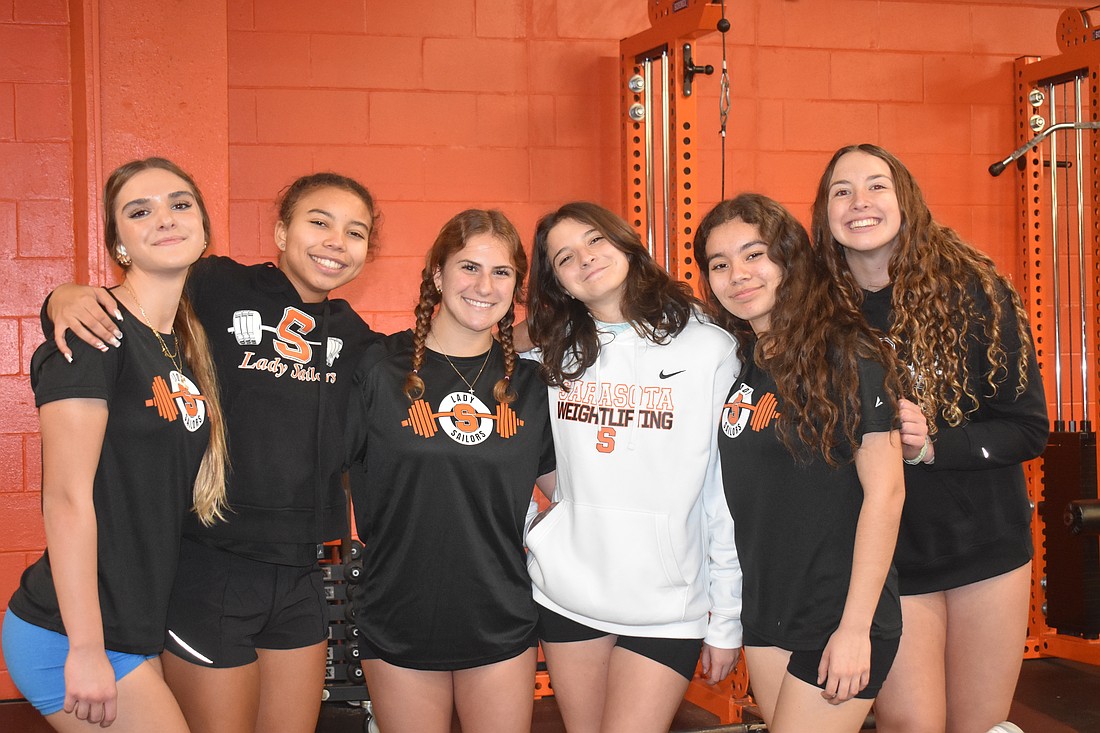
921,455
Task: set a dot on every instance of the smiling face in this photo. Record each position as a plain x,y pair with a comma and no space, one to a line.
476,286
159,222
325,242
589,267
740,273
864,216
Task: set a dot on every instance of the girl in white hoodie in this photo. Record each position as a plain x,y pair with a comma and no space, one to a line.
634,567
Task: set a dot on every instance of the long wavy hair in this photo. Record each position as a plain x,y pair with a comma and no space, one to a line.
656,305
943,289
208,494
454,235
815,339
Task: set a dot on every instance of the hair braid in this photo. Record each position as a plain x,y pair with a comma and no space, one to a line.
429,298
452,238
502,390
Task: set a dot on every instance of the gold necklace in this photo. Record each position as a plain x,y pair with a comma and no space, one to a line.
174,358
464,380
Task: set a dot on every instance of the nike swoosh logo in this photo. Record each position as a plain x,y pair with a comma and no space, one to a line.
662,374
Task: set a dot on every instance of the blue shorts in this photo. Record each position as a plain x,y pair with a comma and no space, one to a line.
36,662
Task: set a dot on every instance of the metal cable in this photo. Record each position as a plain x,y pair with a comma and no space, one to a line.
724,100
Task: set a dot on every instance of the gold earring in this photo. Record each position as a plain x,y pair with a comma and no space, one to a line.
122,257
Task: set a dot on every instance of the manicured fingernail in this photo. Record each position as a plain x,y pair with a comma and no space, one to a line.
68,358
118,315
116,342
118,334
101,346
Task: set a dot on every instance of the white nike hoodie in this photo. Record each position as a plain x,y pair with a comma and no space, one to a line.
641,542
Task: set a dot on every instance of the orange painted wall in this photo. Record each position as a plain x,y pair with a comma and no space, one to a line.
442,105
36,248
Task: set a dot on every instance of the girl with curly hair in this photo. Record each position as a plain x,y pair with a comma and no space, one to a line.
811,461
448,433
977,411
634,569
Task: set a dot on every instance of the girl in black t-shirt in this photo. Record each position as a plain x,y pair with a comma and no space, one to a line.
448,431
131,441
811,464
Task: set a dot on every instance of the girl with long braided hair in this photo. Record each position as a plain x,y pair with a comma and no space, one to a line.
449,431
976,413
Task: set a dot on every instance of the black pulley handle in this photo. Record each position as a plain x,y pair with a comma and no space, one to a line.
997,168
1083,516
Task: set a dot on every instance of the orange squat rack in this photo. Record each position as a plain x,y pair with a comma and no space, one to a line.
1058,189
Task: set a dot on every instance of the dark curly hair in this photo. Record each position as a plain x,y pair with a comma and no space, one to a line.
816,337
656,305
938,279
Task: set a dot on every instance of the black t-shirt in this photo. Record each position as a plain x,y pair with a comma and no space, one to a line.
285,368
441,490
796,522
156,435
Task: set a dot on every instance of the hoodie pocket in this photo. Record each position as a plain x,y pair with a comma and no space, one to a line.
609,564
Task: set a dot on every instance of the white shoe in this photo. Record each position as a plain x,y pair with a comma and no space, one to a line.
1006,727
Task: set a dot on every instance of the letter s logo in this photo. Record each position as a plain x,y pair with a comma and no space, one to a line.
605,440
290,343
465,417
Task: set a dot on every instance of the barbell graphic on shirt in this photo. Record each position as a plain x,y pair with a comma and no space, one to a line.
248,328
762,413
164,399
423,421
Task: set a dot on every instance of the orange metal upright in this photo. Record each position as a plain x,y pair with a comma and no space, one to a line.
676,24
1080,59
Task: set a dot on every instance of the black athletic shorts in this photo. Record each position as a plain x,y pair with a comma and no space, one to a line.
803,664
224,607
679,655
367,653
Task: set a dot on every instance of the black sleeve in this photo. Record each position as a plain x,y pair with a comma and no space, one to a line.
1007,428
548,459
876,415
92,373
202,278
359,402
